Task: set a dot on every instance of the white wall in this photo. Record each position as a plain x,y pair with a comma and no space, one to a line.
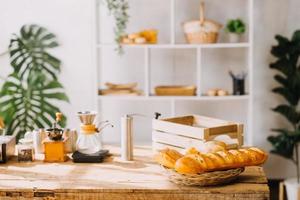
71,21
271,17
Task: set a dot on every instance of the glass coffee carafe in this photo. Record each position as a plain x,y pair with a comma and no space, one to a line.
89,139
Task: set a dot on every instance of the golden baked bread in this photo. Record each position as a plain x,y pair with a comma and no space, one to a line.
227,157
199,159
208,147
188,165
140,40
133,36
127,41
222,92
239,157
209,162
167,157
260,155
191,150
221,160
212,92
214,146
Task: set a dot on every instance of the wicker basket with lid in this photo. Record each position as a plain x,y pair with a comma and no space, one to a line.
201,31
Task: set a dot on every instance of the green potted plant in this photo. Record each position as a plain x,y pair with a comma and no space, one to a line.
28,95
285,144
119,10
235,28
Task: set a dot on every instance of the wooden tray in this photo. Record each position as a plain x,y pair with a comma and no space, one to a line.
175,90
183,132
124,92
126,86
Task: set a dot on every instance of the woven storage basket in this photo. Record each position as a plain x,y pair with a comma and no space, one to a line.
204,179
203,31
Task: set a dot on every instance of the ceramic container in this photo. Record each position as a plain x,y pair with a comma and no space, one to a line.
234,37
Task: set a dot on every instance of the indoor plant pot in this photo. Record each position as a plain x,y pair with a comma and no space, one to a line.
234,37
235,28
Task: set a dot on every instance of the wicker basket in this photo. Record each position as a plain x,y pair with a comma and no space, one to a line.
175,90
204,179
203,31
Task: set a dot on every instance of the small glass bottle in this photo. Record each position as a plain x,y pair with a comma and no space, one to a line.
25,150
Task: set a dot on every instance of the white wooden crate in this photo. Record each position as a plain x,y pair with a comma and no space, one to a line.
193,130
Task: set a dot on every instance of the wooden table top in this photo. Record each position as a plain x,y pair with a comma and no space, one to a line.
115,179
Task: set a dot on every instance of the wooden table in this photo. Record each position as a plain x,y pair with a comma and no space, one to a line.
116,180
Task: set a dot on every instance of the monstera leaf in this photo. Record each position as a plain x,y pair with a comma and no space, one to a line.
28,52
26,106
29,94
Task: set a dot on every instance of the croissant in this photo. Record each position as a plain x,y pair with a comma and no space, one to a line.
221,160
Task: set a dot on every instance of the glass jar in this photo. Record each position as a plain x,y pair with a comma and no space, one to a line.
25,150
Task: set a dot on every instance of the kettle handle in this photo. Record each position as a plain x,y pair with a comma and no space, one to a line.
98,130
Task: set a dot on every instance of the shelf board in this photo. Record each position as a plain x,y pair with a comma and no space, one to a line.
197,98
179,46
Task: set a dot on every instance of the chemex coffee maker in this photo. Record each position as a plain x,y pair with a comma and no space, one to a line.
89,144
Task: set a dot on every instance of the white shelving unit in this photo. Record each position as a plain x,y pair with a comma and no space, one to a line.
174,45
179,46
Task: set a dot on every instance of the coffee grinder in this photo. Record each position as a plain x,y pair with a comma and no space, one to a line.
54,143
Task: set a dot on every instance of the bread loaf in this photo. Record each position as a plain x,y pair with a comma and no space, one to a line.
192,150
213,146
167,157
208,147
188,165
220,160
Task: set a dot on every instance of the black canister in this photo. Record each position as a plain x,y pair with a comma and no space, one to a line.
238,86
238,83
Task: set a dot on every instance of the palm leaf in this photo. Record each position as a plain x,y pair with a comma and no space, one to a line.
284,66
26,98
296,37
28,52
282,47
287,94
28,113
289,113
283,144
